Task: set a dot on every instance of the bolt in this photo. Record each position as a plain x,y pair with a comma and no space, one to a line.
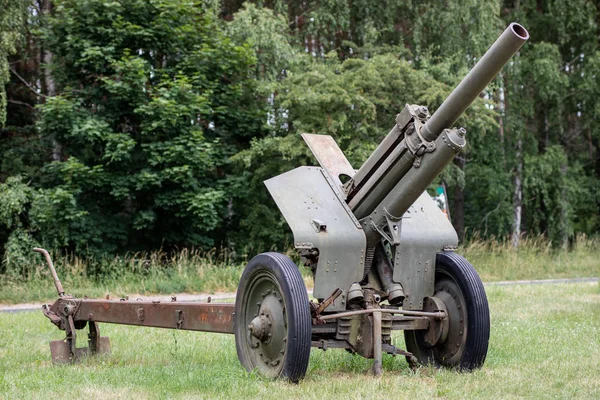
423,111
461,132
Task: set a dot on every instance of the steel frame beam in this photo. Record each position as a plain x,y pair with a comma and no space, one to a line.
206,317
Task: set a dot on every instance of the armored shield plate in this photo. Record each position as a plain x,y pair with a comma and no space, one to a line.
425,231
319,218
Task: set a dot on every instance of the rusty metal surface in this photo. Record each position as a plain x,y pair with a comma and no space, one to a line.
59,349
317,309
329,156
401,323
438,314
61,352
213,317
66,351
59,288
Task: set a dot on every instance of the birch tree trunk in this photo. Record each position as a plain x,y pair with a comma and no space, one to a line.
501,111
49,84
564,201
518,195
458,211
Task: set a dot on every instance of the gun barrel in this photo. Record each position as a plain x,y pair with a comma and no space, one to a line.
476,80
418,148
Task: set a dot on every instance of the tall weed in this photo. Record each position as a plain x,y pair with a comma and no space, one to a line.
196,271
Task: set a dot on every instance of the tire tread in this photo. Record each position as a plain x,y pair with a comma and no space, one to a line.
477,307
478,315
297,309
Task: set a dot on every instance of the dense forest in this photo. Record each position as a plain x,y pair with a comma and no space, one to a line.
132,125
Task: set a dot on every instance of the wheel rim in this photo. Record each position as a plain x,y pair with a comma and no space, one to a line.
265,321
450,350
461,339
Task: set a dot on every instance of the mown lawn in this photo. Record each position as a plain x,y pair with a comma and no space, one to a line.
545,343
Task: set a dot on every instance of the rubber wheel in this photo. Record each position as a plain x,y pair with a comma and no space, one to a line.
272,318
465,344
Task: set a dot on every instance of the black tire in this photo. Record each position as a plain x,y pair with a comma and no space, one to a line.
458,285
272,290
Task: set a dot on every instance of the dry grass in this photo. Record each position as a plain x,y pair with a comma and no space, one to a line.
193,271
536,258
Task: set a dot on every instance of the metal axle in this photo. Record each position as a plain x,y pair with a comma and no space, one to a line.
435,315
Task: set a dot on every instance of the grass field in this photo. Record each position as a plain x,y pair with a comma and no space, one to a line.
197,272
545,343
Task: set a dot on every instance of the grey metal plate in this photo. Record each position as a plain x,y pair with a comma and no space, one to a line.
425,231
306,194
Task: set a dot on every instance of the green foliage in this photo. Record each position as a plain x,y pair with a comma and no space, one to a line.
354,101
153,100
15,197
268,35
12,27
169,115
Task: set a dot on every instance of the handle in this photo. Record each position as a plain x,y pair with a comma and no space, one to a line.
57,283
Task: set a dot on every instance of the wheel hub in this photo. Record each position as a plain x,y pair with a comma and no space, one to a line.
452,347
438,328
271,306
267,332
461,339
260,327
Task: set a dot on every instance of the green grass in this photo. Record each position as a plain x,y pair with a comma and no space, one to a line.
197,272
545,343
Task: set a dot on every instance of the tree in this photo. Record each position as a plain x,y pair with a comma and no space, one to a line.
354,101
155,122
151,100
12,26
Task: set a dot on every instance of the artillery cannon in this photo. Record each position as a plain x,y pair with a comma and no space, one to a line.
381,251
